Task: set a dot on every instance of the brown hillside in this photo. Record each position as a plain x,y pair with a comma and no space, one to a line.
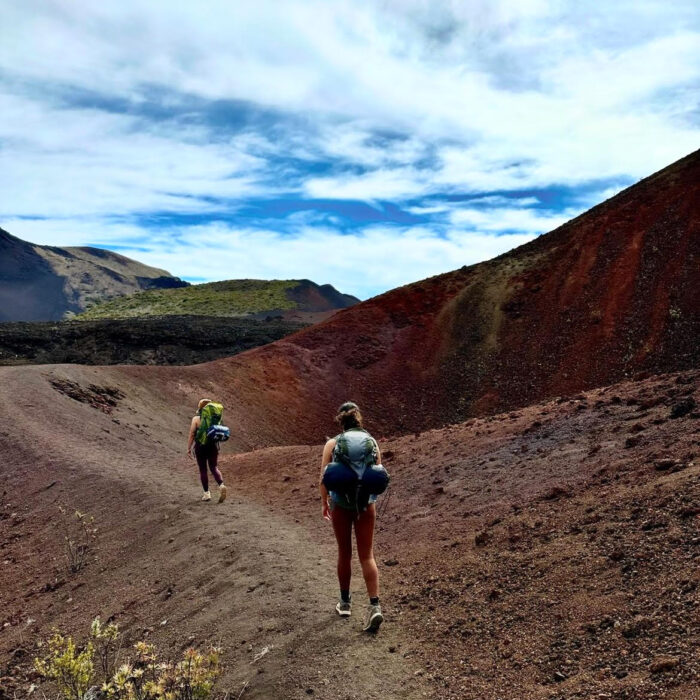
611,294
544,553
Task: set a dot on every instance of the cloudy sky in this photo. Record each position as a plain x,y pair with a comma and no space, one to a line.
363,143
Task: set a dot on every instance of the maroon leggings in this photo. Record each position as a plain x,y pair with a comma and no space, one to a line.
208,455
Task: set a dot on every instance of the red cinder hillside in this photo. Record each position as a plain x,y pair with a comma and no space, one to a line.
607,296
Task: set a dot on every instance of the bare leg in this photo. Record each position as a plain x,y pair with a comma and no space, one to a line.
342,526
364,535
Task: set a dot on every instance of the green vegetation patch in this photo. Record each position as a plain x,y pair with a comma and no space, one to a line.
229,298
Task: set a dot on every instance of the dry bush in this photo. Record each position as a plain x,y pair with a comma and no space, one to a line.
92,672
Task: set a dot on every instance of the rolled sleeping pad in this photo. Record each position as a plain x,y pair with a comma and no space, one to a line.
339,477
375,480
218,433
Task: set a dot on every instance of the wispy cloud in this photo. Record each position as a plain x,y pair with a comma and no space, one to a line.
432,133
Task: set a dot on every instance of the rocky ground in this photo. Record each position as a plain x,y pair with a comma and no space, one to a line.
551,552
172,340
548,552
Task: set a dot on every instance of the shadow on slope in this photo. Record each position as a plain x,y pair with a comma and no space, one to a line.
41,283
173,340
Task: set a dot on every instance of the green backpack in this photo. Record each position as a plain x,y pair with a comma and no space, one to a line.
210,415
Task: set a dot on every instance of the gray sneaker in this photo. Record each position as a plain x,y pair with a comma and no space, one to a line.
374,618
343,608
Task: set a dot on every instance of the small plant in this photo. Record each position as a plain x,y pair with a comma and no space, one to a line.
71,670
675,313
93,671
106,642
146,678
79,536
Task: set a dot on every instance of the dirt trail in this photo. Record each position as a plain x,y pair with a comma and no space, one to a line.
169,567
549,552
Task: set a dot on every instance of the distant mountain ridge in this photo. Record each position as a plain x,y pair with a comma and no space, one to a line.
48,283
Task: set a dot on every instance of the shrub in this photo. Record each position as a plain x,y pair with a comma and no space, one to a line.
71,670
143,676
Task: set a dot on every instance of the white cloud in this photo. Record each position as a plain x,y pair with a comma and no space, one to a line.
400,99
505,202
68,162
365,264
502,219
394,184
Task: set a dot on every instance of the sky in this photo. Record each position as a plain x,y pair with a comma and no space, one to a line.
362,143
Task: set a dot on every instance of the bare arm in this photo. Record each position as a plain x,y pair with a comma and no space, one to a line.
193,431
327,456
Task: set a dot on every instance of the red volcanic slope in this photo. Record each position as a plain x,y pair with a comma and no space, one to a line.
548,552
612,293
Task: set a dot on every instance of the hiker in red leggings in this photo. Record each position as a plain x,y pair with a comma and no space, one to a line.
344,514
207,456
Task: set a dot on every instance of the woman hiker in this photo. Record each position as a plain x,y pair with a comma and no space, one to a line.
344,512
207,455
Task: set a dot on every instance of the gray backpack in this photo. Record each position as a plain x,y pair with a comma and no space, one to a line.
356,449
354,474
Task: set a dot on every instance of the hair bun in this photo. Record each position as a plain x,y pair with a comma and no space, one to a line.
349,416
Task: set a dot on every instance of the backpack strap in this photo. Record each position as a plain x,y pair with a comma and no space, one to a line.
201,431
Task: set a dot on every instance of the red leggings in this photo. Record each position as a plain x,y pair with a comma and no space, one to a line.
343,523
208,455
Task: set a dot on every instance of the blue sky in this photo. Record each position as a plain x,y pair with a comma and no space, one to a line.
367,144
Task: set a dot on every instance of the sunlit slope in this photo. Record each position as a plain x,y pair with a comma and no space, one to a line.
228,298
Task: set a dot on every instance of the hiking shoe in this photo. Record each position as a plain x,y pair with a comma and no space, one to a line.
222,493
374,618
343,608
206,496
